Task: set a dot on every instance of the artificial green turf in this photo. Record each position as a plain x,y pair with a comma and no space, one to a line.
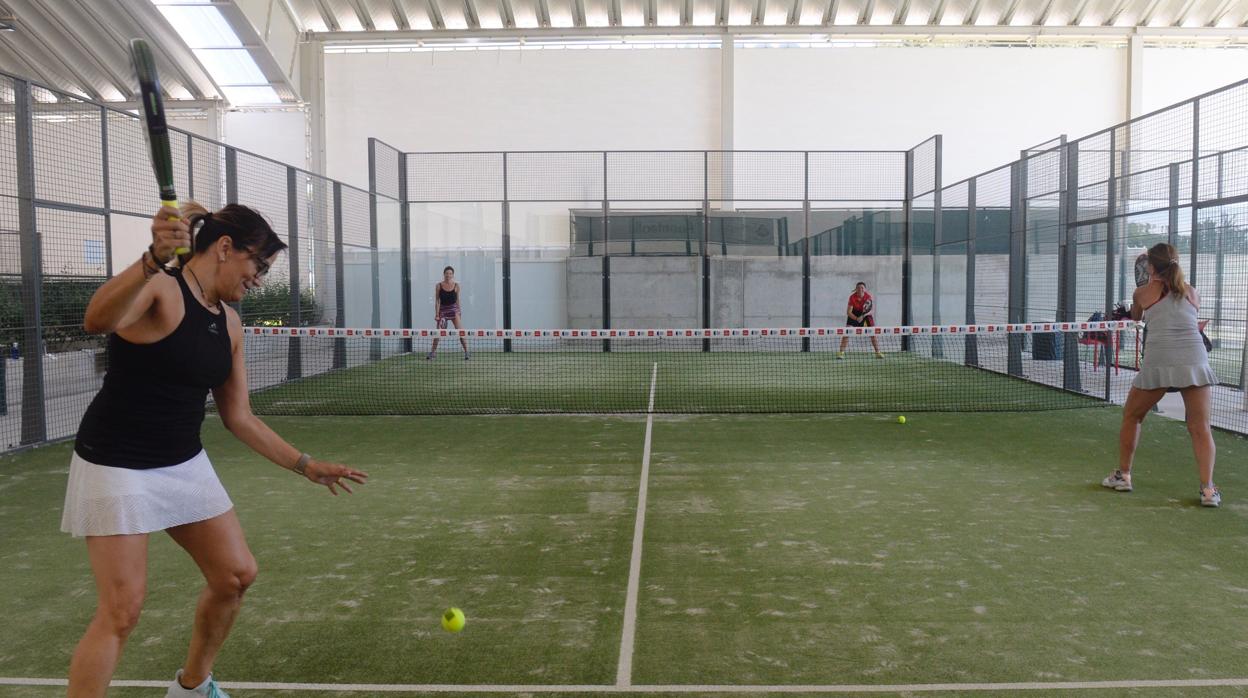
780,549
685,382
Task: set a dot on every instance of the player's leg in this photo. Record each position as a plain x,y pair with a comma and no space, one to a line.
463,342
220,551
1196,407
1139,402
119,564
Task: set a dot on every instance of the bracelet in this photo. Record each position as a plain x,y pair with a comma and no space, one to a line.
302,464
148,272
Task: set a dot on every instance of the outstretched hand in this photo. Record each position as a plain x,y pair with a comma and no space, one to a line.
334,475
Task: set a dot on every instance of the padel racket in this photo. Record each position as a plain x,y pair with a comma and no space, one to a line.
865,315
1142,272
157,130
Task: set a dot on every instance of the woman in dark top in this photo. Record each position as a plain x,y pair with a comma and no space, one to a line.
446,309
138,465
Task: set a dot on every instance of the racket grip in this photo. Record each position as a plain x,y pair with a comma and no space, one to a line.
174,204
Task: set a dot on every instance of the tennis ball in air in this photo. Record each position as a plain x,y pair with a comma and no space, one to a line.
453,620
901,419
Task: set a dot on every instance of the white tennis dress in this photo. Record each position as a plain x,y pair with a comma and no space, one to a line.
1174,354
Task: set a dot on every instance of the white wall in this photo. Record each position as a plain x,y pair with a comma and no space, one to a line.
989,103
281,135
518,100
1175,74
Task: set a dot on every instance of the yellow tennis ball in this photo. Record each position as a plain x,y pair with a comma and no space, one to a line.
453,620
901,419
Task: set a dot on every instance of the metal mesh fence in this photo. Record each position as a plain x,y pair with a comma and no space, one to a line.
621,239
76,196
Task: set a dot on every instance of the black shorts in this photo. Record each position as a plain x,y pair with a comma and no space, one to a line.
868,321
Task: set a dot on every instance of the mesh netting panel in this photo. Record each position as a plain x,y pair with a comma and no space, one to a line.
387,169
757,176
452,176
555,176
67,153
657,176
857,176
569,371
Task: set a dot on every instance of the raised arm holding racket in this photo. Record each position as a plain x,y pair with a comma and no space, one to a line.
138,465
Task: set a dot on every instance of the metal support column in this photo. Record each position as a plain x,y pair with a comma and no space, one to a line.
972,225
405,252
34,417
294,358
1017,278
340,281
507,256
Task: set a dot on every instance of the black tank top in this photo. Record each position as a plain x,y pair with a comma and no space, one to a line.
446,297
149,412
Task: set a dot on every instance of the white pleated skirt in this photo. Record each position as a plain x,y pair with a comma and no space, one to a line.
105,501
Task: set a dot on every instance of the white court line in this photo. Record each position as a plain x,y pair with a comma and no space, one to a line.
600,688
624,671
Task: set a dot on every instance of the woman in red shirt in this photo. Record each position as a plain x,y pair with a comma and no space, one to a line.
860,313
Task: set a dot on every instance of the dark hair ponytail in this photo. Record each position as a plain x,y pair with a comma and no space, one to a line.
245,228
1164,260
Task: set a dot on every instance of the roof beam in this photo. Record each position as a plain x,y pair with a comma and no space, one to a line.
903,12
1219,13
1076,19
16,57
868,9
651,8
400,15
1148,13
470,14
686,11
1008,15
760,12
721,12
543,13
362,13
164,38
578,13
1119,7
615,17
435,14
40,39
509,15
849,30
328,16
829,13
972,13
795,13
1044,14
1182,16
938,13
54,12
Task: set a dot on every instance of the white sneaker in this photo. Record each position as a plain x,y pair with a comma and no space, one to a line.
1210,497
1117,481
207,689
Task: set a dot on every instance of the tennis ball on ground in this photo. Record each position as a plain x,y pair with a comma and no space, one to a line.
901,419
453,620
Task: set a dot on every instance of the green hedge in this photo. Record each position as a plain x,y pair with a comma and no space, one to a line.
64,302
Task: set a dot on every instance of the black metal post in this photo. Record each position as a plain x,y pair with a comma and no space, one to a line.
374,348
906,232
340,281
34,417
405,251
294,358
1068,258
972,226
506,208
1018,281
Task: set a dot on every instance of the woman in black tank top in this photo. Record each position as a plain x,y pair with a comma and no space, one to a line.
138,464
446,309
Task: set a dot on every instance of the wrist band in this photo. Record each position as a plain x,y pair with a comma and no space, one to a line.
302,464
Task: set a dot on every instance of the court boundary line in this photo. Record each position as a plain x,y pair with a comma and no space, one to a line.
628,635
674,688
